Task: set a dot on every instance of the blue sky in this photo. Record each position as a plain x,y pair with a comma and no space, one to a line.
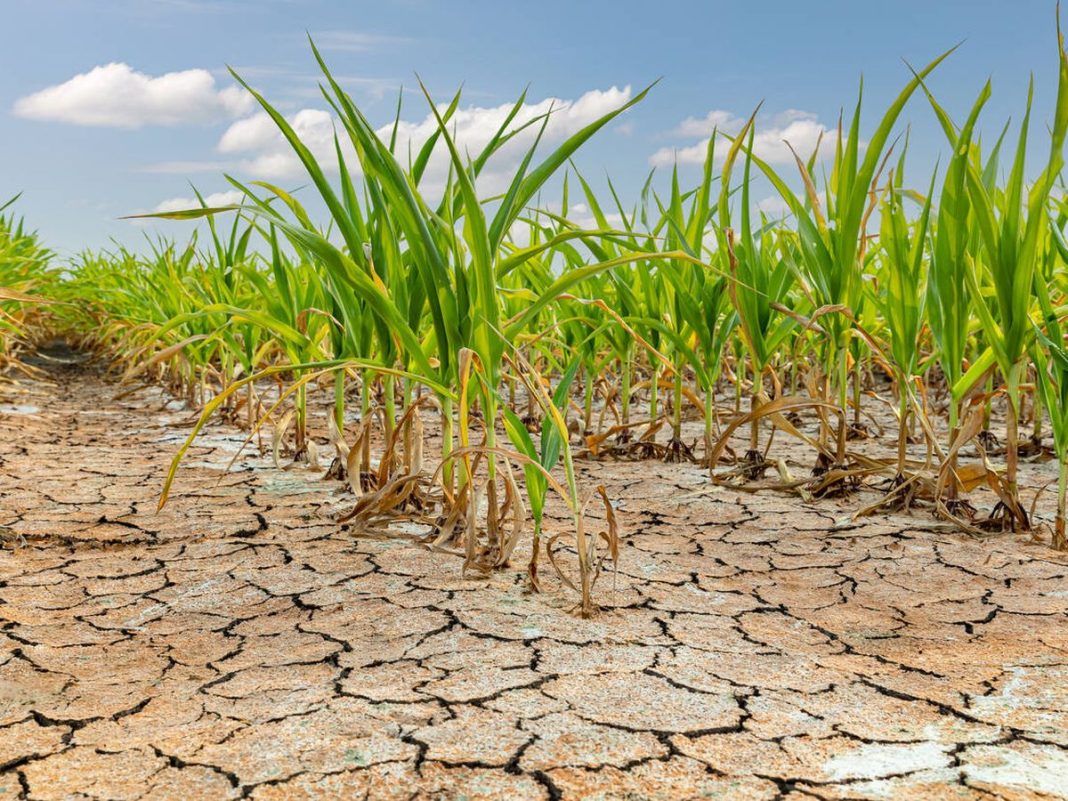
131,136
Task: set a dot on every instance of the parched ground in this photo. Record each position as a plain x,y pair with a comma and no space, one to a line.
241,643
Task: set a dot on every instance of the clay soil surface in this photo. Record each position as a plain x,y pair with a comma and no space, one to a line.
240,643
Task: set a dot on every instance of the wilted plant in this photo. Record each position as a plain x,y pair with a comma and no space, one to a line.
1012,227
502,314
902,304
24,284
832,237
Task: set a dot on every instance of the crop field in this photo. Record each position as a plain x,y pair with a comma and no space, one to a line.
450,494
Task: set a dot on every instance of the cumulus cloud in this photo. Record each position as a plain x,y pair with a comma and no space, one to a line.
773,206
116,95
231,198
801,129
473,127
580,214
264,153
692,127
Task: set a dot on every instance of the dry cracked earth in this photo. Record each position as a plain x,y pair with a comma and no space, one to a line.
242,644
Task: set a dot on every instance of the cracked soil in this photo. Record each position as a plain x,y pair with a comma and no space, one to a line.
240,643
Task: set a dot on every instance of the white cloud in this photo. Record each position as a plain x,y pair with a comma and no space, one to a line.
231,198
692,127
266,154
116,95
356,41
588,221
474,126
801,129
773,206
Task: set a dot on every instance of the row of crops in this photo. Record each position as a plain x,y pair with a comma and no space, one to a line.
529,340
24,273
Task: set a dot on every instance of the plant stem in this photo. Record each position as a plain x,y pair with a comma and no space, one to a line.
902,427
710,417
843,401
1059,543
676,423
365,420
1011,448
856,392
302,416
447,435
339,399
587,406
389,401
654,385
